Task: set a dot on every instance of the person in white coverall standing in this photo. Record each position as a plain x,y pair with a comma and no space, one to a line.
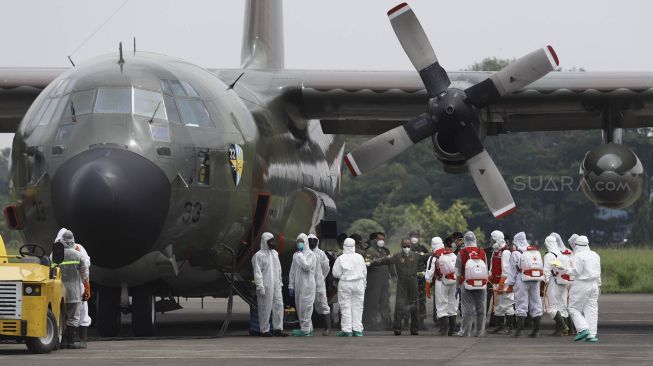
301,285
585,290
267,277
351,270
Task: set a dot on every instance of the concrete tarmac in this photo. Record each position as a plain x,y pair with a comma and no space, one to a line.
187,337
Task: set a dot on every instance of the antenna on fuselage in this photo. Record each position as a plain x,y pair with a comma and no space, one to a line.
121,60
134,46
71,61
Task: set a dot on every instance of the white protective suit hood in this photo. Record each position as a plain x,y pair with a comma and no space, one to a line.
303,237
572,240
437,243
60,234
581,244
312,236
470,239
498,237
349,246
520,241
68,239
561,244
552,245
264,240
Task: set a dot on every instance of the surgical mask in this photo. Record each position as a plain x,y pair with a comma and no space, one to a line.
433,247
414,240
300,245
406,251
495,246
380,243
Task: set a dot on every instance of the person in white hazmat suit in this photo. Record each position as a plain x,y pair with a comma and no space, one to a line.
301,285
526,273
84,319
321,271
267,277
351,270
472,273
441,269
556,290
73,272
585,290
504,302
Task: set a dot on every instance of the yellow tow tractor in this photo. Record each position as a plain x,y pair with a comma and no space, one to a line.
32,305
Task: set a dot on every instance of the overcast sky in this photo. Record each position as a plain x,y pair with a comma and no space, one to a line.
333,34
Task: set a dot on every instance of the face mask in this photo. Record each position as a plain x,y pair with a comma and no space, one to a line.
271,245
495,246
380,243
300,245
312,243
406,250
414,240
433,247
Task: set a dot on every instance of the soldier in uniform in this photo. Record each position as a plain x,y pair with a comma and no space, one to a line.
406,263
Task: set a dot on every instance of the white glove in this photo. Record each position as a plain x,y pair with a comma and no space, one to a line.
260,291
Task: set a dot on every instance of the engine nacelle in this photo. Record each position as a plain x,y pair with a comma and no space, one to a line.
445,151
612,176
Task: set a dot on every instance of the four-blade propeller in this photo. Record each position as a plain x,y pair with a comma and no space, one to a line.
452,111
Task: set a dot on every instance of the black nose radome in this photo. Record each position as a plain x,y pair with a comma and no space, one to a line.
115,202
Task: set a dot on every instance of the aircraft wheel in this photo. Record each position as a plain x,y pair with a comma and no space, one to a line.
108,311
143,312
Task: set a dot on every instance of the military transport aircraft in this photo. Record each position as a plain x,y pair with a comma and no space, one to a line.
155,163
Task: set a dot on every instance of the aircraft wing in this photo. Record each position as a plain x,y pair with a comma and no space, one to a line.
18,89
370,103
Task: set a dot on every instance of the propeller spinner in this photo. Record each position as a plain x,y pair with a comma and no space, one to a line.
452,110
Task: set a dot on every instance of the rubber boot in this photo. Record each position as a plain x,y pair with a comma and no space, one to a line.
537,321
500,324
519,327
65,341
443,322
571,326
494,320
71,336
560,326
452,325
327,325
83,336
510,324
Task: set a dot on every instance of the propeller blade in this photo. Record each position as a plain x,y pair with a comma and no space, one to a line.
486,175
513,77
389,144
413,39
491,185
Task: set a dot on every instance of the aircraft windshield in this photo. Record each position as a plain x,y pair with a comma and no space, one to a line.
113,100
146,102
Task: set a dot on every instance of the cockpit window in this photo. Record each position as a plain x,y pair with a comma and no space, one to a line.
171,109
147,102
113,100
178,88
81,102
193,113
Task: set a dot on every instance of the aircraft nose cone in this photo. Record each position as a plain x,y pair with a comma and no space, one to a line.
115,202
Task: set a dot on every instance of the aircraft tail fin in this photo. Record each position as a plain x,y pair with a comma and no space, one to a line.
263,35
